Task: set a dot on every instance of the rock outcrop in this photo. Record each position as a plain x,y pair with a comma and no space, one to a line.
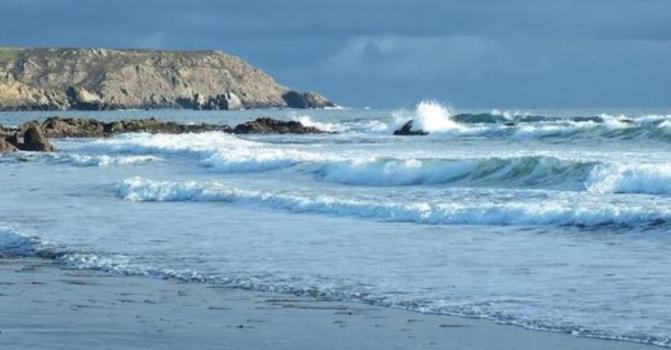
57,127
34,140
274,126
303,100
29,137
406,130
34,136
6,146
73,127
102,79
81,99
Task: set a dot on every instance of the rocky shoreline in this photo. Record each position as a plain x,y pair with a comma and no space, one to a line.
34,135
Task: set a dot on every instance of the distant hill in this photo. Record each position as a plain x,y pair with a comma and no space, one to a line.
103,79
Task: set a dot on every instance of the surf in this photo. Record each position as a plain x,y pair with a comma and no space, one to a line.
581,211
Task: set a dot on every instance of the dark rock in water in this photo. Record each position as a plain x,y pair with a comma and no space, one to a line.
83,127
34,140
6,146
295,99
56,127
588,119
274,126
28,137
72,127
153,125
406,130
15,139
6,133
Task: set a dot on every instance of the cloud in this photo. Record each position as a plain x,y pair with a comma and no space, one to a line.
384,52
420,58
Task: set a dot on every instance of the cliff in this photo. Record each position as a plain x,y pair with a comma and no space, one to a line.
96,79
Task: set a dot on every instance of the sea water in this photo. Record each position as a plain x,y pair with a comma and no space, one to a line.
554,220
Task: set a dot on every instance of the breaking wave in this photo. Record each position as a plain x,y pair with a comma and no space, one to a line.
431,117
83,160
103,160
531,171
222,152
443,121
229,154
642,178
579,211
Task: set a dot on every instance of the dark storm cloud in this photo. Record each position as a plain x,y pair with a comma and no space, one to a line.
390,52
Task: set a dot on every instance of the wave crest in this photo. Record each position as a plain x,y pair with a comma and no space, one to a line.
643,178
576,212
522,171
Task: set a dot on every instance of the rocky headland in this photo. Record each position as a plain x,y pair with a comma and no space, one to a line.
104,79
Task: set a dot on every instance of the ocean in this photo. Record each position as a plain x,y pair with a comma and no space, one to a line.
553,220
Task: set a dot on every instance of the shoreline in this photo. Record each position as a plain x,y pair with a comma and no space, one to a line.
47,306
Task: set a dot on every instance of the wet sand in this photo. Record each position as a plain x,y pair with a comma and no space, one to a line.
43,306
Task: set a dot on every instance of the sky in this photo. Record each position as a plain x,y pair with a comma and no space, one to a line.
391,53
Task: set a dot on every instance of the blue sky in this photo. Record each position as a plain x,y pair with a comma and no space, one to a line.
389,53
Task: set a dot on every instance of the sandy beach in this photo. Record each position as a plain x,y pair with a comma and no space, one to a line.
44,306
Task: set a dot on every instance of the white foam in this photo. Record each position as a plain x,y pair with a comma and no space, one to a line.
393,172
16,244
207,142
123,265
652,118
665,125
580,211
429,116
498,309
509,115
232,155
229,154
256,157
105,160
557,128
306,120
217,150
617,122
639,178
